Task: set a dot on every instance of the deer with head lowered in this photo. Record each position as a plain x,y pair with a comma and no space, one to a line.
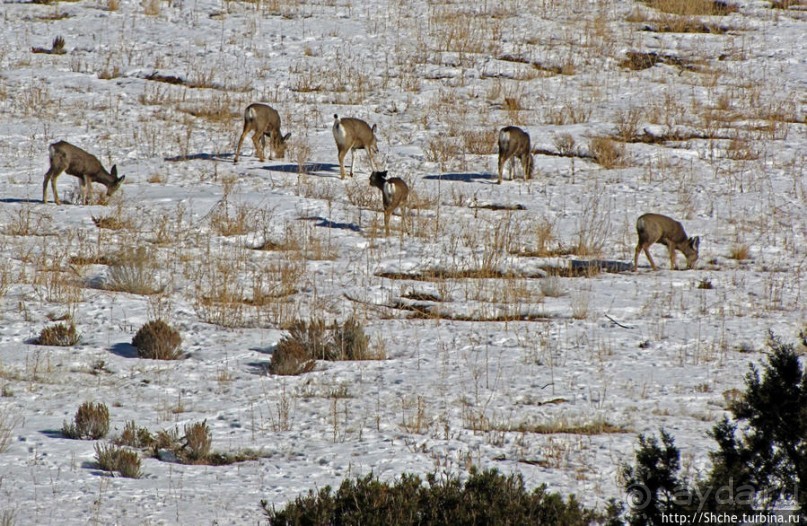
263,121
64,157
514,143
657,228
353,134
394,192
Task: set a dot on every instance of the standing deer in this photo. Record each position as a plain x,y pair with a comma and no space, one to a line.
263,120
514,143
353,134
64,157
657,228
394,193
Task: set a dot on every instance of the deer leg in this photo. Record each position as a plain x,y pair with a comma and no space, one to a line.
257,141
50,176
650,258
86,188
240,141
386,222
636,257
342,153
502,160
352,159
673,265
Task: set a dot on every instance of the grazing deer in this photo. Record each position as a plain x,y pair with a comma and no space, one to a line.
514,143
263,120
656,228
394,193
64,157
353,134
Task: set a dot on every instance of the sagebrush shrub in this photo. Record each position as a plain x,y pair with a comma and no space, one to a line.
134,436
158,341
198,441
113,458
60,334
309,341
485,498
90,422
290,358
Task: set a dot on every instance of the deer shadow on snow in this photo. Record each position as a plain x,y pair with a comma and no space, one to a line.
308,168
462,177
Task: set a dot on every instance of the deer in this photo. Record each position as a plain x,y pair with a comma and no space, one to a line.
394,192
657,228
514,143
353,134
263,121
64,157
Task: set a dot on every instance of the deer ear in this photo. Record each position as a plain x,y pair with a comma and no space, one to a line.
122,177
695,242
114,170
286,137
375,127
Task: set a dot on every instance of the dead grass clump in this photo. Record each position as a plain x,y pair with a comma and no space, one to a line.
607,152
194,447
233,220
91,422
740,252
57,48
133,271
482,142
309,341
117,459
157,340
8,421
290,359
113,222
133,436
692,7
60,335
638,60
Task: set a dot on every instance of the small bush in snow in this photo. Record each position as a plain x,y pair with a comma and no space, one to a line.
61,334
158,341
90,422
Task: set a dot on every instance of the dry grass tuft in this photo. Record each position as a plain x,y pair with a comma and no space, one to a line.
607,152
117,459
90,422
156,340
309,341
693,7
60,335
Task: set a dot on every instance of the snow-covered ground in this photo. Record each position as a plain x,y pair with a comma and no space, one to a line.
637,350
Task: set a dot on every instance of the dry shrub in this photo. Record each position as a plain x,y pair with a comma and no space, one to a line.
133,436
692,7
290,359
565,144
233,220
114,458
198,440
134,272
110,222
350,341
157,340
60,334
607,152
480,142
90,422
309,341
740,252
8,421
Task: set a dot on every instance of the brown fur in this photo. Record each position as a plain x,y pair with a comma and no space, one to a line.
657,228
64,157
263,121
394,192
514,143
353,134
